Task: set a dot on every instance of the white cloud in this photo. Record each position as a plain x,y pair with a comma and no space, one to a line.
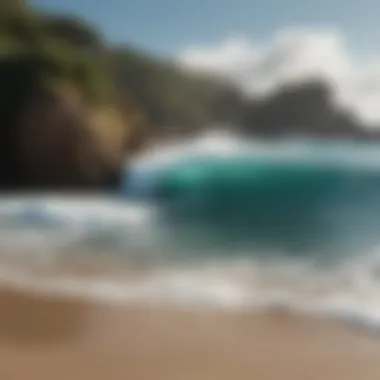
294,55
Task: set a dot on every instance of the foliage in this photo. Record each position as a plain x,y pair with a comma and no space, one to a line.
39,50
43,49
176,102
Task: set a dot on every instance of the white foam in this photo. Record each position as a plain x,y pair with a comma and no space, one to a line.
77,210
219,144
350,290
48,225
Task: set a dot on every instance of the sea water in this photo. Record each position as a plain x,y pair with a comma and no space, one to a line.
218,222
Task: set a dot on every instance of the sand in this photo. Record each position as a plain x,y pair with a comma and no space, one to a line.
44,337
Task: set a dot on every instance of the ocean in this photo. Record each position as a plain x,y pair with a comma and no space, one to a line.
215,222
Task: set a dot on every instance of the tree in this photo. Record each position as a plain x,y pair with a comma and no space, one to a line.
73,31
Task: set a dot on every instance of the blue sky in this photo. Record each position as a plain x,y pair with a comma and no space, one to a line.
259,44
169,26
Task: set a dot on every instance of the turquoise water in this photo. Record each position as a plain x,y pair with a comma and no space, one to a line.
298,205
217,222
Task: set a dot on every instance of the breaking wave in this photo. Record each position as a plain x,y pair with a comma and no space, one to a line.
215,222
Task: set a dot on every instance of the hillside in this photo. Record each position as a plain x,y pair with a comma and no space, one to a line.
61,124
73,107
179,103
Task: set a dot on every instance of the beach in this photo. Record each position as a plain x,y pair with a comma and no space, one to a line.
47,337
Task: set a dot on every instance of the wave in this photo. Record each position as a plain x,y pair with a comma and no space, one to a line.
221,194
348,292
215,222
290,196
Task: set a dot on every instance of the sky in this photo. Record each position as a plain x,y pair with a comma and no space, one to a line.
168,26
258,44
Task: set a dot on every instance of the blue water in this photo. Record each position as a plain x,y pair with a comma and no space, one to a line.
219,222
297,205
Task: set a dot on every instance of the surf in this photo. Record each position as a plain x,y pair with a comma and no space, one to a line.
216,222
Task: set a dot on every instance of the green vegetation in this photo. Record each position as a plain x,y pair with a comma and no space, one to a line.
60,124
39,50
48,51
177,103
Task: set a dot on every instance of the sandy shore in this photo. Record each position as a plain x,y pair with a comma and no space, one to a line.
45,338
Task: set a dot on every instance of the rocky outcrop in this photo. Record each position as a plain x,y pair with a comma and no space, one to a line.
55,140
61,127
301,110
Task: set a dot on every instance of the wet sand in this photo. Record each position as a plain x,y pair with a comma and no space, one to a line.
44,337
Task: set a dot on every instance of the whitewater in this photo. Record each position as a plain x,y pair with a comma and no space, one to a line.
216,221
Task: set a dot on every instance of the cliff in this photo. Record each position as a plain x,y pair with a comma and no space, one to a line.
74,108
180,103
62,124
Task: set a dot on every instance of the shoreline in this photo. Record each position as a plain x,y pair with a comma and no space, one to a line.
44,337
